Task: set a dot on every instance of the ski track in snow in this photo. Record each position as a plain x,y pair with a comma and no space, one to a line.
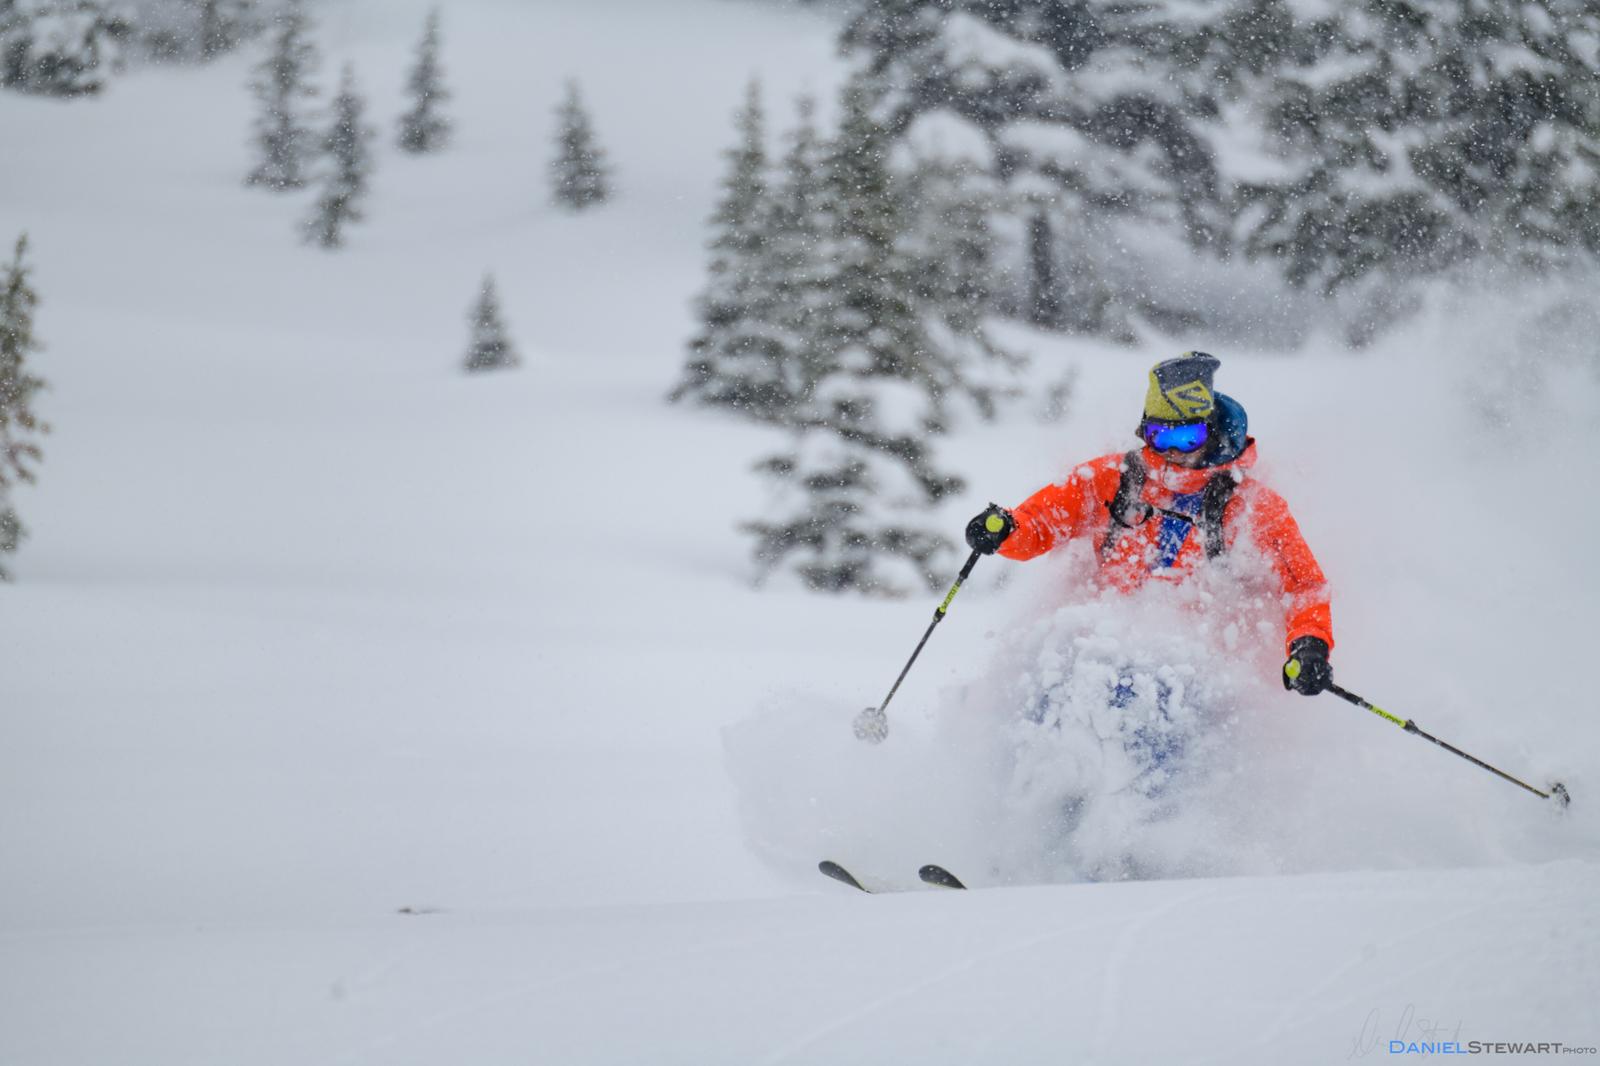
1324,999
1116,973
910,991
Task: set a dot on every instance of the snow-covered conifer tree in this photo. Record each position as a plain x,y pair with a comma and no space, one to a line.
422,128
59,47
213,32
490,347
1044,284
954,241
20,427
859,476
282,137
735,360
223,25
580,178
873,319
347,149
951,245
1416,137
795,266
850,495
1098,108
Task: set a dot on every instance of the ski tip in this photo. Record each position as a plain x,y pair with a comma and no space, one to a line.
938,875
1559,793
839,873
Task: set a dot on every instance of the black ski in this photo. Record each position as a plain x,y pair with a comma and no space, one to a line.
938,875
839,873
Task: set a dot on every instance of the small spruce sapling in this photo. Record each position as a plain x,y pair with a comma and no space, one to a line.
580,176
282,137
347,145
422,128
490,348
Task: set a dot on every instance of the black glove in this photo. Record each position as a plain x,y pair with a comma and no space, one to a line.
988,531
1307,671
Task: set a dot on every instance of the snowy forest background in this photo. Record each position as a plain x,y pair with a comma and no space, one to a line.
425,429
1258,171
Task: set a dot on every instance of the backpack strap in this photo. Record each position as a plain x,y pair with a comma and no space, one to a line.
1218,491
1213,504
1127,497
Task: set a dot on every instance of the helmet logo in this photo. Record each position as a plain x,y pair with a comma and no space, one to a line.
1180,389
1191,399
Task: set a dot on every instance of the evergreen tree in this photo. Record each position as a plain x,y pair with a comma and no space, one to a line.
580,177
850,516
956,241
873,321
859,473
347,147
214,36
1418,136
223,25
490,348
1066,289
735,359
422,128
1101,108
20,428
59,47
796,272
1100,102
951,245
283,138
1044,284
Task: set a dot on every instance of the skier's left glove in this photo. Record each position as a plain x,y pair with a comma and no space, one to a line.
988,531
1307,671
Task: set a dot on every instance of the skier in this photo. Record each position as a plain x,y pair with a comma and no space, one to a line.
1160,512
1111,735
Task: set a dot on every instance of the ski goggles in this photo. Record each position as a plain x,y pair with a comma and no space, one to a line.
1183,437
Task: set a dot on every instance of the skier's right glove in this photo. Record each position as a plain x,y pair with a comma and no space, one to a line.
988,531
1307,671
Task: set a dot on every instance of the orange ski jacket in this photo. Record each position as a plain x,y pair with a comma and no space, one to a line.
1167,548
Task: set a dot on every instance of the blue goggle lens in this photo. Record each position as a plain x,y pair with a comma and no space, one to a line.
1188,437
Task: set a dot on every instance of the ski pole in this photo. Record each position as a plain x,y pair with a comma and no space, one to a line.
872,724
1557,792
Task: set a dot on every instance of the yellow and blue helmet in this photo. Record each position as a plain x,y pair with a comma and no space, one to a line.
1181,390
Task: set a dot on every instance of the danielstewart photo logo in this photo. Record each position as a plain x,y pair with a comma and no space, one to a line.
1415,1035
1484,1047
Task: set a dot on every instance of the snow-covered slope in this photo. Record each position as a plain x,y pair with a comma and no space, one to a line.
1326,968
312,628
